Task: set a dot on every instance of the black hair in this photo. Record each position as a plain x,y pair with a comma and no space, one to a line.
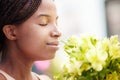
15,12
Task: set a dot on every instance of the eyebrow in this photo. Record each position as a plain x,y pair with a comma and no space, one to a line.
46,15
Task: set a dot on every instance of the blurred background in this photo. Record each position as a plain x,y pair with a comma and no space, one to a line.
76,17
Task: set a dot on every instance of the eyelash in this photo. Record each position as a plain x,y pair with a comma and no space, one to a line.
43,24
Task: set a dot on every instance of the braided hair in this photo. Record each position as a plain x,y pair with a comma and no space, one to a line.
15,12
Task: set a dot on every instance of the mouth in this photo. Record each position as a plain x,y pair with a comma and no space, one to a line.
53,45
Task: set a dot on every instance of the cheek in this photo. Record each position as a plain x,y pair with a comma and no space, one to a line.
35,49
31,48
32,44
30,40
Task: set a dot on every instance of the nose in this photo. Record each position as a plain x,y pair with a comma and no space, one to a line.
55,33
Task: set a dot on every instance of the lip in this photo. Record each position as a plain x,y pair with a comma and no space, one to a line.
53,45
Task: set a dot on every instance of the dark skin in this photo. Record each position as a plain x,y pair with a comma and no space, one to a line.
35,39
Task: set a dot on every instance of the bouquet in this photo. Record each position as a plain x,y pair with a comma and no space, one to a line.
91,59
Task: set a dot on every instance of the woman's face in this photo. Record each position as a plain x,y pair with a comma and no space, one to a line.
37,37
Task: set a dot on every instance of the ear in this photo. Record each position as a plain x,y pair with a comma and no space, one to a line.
10,32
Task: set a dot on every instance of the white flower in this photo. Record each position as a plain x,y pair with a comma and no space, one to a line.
73,66
97,58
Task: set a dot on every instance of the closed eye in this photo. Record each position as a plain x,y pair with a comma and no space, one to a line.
43,24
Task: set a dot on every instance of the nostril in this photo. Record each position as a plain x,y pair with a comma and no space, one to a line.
56,34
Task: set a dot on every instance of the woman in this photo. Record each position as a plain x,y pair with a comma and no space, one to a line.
28,32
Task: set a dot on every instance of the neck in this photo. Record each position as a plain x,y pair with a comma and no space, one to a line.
17,67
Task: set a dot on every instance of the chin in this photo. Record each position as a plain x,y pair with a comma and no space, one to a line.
46,57
50,57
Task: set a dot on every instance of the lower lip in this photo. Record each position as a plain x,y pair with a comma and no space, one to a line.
53,47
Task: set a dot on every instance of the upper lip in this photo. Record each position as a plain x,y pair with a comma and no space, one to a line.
56,43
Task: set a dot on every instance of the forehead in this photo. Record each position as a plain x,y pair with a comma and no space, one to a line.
47,6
